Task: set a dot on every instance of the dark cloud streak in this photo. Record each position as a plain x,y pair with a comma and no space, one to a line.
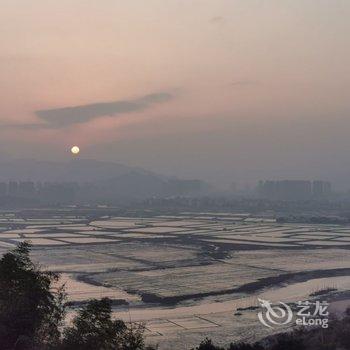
66,116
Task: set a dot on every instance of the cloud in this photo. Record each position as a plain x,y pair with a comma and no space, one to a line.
62,117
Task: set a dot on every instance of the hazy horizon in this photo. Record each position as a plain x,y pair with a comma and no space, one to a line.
221,91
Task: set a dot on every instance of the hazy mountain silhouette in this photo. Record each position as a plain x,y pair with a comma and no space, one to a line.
77,170
98,176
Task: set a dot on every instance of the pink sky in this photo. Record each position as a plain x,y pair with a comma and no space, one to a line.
257,87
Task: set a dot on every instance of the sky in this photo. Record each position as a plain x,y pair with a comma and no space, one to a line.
222,90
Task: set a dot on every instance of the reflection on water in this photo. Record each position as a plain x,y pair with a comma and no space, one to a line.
291,293
302,290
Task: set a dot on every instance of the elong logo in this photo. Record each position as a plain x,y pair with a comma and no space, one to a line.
274,315
309,314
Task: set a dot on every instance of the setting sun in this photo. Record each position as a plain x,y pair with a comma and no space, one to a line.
75,149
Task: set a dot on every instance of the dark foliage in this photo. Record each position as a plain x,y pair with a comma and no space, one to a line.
93,328
245,346
31,312
207,344
289,342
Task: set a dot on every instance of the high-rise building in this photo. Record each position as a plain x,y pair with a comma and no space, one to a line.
26,188
321,188
292,189
13,188
3,188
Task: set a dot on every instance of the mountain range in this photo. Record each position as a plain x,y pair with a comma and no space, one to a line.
100,177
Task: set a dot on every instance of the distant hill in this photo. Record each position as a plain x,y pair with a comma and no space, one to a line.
76,170
99,178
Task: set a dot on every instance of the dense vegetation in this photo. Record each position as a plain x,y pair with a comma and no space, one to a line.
32,312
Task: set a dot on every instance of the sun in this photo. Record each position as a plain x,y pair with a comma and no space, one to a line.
75,150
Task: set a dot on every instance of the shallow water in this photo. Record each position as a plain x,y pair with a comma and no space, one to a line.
291,293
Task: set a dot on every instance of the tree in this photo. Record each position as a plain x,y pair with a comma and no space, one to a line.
93,328
207,344
31,311
292,341
245,346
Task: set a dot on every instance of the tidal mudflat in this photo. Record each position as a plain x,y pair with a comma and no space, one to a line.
190,275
